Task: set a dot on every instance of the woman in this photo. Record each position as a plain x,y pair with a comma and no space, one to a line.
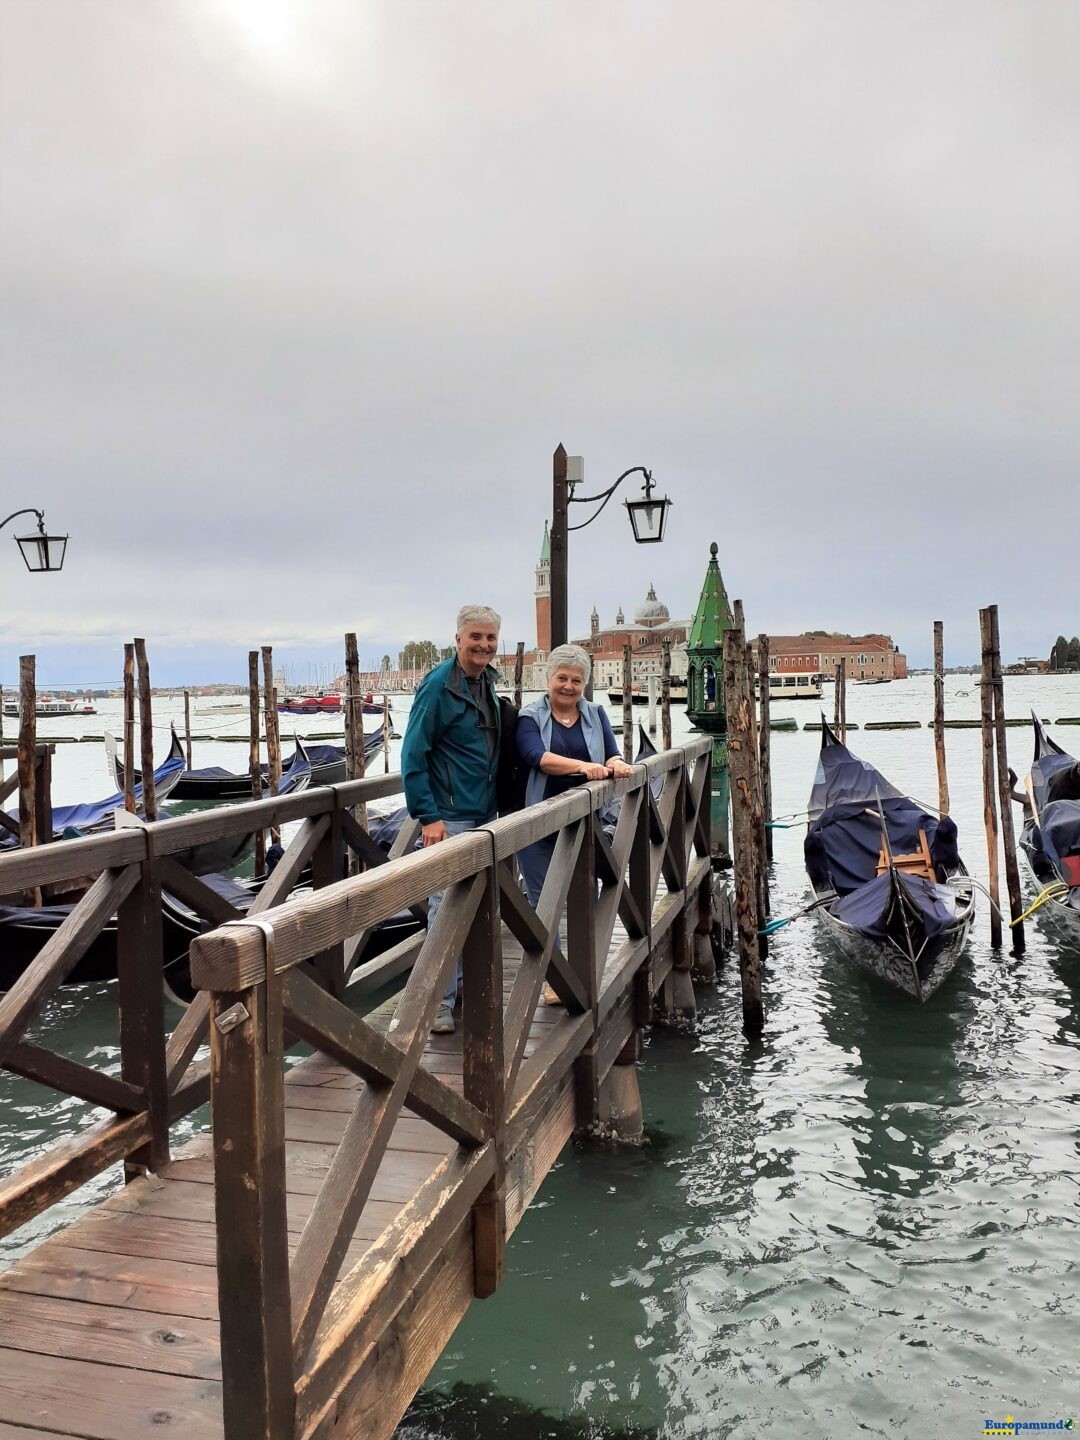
562,737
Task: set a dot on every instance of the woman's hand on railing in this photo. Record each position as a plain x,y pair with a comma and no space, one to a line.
618,769
594,772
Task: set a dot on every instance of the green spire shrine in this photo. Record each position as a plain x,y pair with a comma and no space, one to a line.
705,687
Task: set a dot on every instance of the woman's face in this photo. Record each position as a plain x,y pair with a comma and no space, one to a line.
566,685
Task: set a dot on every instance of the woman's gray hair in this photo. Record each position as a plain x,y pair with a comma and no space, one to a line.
478,614
570,657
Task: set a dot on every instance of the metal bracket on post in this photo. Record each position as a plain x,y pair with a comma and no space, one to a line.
237,1013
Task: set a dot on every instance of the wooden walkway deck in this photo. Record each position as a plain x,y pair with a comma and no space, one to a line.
297,1274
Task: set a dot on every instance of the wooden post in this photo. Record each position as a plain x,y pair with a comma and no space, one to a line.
28,835
146,731
519,670
248,1101
43,820
273,738
665,695
1008,832
939,717
627,705
129,729
253,754
843,699
764,741
187,728
355,759
836,701
756,800
139,962
386,733
738,707
653,683
990,820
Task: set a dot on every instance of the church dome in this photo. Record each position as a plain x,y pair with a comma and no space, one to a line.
651,611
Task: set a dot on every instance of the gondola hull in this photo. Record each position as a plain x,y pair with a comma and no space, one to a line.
937,959
1057,910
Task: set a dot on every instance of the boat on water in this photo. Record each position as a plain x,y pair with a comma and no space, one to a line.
213,782
1050,838
799,685
890,887
639,694
327,704
49,705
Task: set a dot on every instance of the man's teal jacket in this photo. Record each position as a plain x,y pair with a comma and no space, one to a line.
444,758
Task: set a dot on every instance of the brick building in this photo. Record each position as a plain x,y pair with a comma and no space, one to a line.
869,657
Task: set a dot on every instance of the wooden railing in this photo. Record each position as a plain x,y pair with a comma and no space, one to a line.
292,1332
122,874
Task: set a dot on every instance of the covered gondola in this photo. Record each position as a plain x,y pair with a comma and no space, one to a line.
891,888
1050,838
214,782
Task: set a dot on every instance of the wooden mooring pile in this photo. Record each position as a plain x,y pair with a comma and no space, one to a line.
298,1271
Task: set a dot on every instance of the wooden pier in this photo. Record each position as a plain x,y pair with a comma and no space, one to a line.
298,1272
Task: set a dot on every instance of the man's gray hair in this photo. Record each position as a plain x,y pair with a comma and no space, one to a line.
478,615
569,657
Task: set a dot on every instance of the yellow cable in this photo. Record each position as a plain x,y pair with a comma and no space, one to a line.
1057,888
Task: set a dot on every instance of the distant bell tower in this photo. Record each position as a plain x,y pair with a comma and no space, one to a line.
594,625
543,595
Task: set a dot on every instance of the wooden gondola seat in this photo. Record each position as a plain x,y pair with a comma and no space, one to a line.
919,862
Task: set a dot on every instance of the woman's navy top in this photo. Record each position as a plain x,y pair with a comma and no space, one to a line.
565,740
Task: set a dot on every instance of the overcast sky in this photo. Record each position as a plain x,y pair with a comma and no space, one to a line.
298,298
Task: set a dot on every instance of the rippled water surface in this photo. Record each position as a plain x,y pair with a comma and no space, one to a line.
864,1225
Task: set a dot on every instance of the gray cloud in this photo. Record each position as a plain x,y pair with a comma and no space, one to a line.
298,300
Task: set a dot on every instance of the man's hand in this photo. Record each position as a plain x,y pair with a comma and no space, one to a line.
433,833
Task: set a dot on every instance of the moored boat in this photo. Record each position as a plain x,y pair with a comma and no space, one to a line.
890,886
1050,838
49,705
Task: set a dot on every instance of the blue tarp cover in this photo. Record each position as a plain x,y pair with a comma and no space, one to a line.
867,909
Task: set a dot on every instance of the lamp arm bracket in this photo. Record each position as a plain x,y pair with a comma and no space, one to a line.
29,510
605,495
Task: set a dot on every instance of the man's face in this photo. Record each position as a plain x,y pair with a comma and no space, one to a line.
477,643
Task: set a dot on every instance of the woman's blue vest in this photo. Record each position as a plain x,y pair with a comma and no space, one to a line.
591,729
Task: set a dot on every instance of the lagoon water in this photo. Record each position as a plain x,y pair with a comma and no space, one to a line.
867,1224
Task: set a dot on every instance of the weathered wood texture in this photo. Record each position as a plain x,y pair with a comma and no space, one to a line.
351,1208
254,731
939,717
519,670
187,729
665,695
765,742
627,705
28,835
146,731
990,816
129,729
1008,831
273,734
739,706
355,759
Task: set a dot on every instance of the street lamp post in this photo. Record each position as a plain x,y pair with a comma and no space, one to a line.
648,519
41,551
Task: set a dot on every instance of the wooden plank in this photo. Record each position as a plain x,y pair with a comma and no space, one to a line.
327,1025
140,968
484,1077
288,869
103,1278
233,957
72,1078
110,1335
195,893
347,1185
61,953
105,1402
67,1165
521,920
191,1030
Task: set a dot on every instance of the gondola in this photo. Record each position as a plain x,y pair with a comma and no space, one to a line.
82,819
1050,838
890,887
213,782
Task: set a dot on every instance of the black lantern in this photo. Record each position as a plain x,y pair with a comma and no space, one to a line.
41,551
648,517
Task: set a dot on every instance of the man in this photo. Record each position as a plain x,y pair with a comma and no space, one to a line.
450,755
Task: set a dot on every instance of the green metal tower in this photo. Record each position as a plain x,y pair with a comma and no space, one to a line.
705,688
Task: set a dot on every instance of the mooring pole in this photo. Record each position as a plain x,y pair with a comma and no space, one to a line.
560,500
627,706
187,728
129,729
652,684
355,758
253,754
990,820
764,903
273,737
665,695
765,741
742,830
146,731
939,717
836,701
843,699
1008,831
519,672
